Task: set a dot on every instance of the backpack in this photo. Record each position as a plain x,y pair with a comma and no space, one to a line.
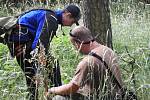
7,23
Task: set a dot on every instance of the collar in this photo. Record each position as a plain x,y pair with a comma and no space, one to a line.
59,13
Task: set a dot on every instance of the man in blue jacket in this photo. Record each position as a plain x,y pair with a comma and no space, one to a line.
34,28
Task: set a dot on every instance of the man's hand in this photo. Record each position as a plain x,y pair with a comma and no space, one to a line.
48,96
39,54
64,89
34,52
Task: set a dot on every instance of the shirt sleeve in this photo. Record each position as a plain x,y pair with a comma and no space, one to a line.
81,74
38,31
47,29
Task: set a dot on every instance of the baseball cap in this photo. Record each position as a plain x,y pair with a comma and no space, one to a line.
75,12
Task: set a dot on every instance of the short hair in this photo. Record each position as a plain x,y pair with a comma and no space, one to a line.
82,34
75,12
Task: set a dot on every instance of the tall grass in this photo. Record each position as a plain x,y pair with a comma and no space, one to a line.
131,40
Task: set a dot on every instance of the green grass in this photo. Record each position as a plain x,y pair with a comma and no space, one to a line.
130,27
131,30
65,52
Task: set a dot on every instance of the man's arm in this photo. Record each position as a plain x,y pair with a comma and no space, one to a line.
48,31
64,89
75,83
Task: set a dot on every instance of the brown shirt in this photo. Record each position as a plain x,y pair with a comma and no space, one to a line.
93,77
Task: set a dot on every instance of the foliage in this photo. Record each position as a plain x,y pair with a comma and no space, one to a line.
131,31
66,54
12,82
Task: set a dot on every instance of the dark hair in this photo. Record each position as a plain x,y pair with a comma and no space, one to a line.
75,12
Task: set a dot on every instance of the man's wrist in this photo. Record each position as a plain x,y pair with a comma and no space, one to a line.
51,91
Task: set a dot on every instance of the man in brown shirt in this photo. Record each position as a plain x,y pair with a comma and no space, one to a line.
92,79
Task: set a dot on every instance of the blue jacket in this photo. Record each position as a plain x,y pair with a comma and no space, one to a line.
41,24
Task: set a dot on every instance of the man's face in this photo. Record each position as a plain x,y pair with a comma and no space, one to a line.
67,19
74,43
79,46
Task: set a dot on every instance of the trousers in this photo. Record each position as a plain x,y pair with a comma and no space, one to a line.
21,50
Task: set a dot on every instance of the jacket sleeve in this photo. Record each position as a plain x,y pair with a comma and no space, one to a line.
48,31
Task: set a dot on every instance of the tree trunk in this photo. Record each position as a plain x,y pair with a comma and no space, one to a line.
70,1
96,17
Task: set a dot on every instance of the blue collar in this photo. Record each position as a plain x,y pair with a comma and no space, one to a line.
59,13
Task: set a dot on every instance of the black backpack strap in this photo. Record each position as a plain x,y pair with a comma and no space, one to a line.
100,58
19,15
128,95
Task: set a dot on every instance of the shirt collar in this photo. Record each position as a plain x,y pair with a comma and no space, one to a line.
59,15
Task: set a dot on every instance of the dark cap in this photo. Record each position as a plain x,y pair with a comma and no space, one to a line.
75,12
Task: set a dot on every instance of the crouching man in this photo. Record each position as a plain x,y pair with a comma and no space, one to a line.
97,76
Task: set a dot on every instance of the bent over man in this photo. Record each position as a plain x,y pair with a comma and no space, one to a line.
37,27
97,76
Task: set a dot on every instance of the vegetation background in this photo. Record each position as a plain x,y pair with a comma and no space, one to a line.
131,41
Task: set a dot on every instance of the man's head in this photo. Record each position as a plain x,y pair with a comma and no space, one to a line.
71,14
81,38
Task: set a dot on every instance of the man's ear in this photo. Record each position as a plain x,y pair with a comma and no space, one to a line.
76,44
67,13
